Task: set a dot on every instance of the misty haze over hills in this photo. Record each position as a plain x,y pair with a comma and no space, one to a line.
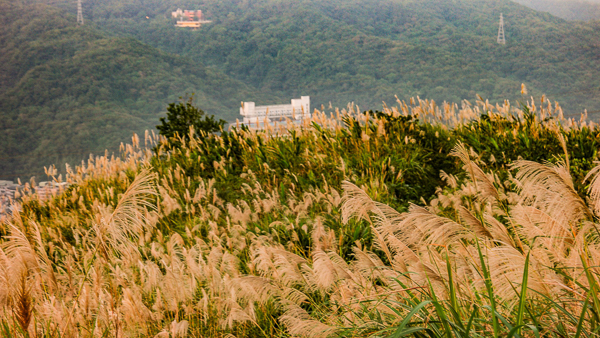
67,90
567,9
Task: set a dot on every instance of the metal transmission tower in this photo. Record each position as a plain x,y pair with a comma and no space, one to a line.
79,13
501,39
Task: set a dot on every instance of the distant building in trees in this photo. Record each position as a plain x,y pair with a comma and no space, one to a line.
258,117
48,189
189,19
10,193
8,190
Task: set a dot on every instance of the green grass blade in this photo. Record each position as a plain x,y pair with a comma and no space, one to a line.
440,311
413,312
451,286
515,332
470,323
401,331
500,317
490,290
406,332
593,291
581,319
522,297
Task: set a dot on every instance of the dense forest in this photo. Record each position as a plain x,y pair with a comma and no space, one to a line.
369,51
68,90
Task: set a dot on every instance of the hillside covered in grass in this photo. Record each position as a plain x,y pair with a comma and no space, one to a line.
420,220
367,52
68,91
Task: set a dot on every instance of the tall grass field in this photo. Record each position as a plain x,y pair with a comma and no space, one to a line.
418,220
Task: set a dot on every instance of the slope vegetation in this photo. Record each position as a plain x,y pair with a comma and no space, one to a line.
369,51
67,91
566,9
336,229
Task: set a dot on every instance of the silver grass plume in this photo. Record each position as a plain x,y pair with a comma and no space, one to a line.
129,218
23,302
300,324
550,188
483,184
356,203
594,189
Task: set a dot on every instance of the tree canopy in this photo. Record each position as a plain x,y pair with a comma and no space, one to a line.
182,116
367,52
68,91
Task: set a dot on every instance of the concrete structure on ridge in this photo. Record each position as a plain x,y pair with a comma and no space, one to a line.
258,117
189,19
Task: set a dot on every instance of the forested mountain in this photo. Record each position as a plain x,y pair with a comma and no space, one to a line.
367,51
67,91
567,9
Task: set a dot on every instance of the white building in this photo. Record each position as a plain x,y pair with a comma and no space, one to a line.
259,116
178,13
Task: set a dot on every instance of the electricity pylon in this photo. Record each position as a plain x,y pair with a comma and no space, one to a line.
79,13
501,39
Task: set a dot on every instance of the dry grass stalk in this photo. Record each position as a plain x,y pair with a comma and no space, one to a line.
23,303
117,274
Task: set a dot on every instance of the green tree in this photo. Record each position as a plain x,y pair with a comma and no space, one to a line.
181,116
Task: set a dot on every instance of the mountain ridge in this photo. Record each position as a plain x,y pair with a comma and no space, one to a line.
68,91
566,9
369,51
89,88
